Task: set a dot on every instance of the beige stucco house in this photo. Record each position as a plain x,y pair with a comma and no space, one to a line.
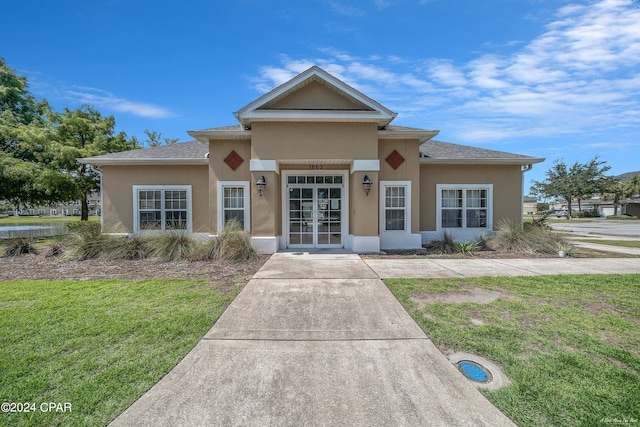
314,163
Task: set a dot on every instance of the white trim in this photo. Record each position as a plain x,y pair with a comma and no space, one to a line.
263,166
266,245
247,203
464,232
252,111
397,239
365,165
344,228
163,188
363,244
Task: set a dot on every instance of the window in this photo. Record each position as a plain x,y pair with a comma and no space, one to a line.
40,211
76,211
233,202
53,212
395,207
162,208
464,206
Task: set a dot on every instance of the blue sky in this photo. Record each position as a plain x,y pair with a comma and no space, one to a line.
547,78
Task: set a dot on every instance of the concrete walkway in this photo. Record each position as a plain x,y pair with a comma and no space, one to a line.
472,267
314,340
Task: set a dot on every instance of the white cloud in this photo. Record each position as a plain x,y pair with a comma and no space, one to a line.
581,74
101,98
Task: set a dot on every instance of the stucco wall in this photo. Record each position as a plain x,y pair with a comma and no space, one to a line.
409,170
292,140
317,96
507,188
220,171
118,182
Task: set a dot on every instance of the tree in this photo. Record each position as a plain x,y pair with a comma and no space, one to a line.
155,139
615,191
633,185
83,133
572,183
24,134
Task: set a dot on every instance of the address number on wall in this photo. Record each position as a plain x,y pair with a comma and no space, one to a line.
315,167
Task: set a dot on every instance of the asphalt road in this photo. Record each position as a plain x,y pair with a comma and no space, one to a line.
612,229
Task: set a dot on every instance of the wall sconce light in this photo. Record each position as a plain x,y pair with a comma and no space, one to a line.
261,183
366,185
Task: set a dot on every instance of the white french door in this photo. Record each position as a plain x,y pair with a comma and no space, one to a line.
315,216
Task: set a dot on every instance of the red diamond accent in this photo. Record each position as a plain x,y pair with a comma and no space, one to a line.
395,159
233,160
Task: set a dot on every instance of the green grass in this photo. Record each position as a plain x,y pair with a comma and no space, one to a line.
623,243
98,345
569,344
36,220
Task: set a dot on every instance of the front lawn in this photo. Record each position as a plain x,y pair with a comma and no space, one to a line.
96,345
37,220
569,344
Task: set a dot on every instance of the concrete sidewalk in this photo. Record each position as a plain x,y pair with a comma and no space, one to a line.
314,340
472,267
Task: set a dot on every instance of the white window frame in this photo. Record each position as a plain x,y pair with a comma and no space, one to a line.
397,239
407,205
247,202
464,188
162,188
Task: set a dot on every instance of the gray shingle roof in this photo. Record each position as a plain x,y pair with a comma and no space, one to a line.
180,150
439,150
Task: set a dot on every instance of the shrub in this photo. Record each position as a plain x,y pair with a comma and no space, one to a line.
54,250
446,245
174,245
467,248
86,241
233,244
19,246
510,236
592,213
565,247
129,247
621,217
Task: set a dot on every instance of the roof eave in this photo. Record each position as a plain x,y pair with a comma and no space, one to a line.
207,135
501,161
148,161
316,116
421,135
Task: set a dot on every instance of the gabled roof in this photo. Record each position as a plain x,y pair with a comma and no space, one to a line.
446,152
191,152
357,106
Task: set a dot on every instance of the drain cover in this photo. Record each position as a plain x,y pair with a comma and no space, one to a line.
474,371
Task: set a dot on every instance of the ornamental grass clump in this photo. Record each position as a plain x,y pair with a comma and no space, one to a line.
19,246
468,247
174,245
446,245
530,239
87,242
233,244
129,247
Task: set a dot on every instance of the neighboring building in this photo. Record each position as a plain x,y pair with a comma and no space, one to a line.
59,209
530,205
314,163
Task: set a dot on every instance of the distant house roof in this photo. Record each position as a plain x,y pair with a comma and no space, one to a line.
446,152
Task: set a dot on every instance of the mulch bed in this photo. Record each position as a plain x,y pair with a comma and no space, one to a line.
38,267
